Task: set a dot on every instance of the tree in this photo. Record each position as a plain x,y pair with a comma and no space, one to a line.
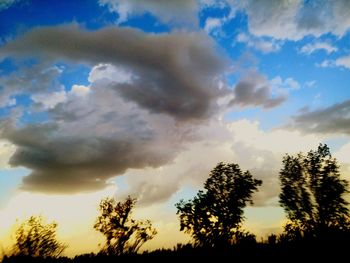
313,194
35,238
124,235
214,216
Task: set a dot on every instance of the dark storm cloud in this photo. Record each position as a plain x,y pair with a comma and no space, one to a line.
89,140
175,72
65,164
334,119
255,90
137,122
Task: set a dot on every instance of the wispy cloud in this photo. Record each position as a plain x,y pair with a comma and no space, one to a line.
4,4
168,11
314,47
263,45
294,20
343,61
334,119
339,62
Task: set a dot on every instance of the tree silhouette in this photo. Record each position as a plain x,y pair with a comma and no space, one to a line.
124,235
35,238
214,216
313,194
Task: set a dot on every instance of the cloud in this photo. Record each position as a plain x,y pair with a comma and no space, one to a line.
294,20
212,24
168,11
310,84
265,46
255,90
326,64
288,83
4,4
343,61
282,19
241,142
334,119
91,139
33,79
343,154
6,151
80,90
150,99
110,72
50,100
311,48
174,72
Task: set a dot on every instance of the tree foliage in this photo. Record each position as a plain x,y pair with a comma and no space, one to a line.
214,216
313,194
35,238
123,234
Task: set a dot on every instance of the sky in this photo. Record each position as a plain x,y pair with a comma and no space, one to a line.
123,97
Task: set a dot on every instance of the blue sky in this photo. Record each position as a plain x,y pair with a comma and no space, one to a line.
147,96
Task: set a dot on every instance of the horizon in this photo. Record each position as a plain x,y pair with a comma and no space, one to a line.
143,98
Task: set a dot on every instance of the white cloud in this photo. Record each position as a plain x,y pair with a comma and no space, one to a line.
292,84
111,73
80,90
33,79
326,64
7,101
6,151
296,19
343,61
310,84
311,48
288,83
265,46
339,62
50,100
168,11
212,24
283,19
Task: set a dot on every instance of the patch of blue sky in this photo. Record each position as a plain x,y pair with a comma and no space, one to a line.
29,14
147,23
225,36
186,192
7,66
335,143
121,183
5,111
23,99
34,117
9,181
74,74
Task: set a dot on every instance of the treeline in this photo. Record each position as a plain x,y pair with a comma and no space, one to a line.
312,196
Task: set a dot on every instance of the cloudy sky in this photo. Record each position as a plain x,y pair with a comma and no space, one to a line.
118,97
